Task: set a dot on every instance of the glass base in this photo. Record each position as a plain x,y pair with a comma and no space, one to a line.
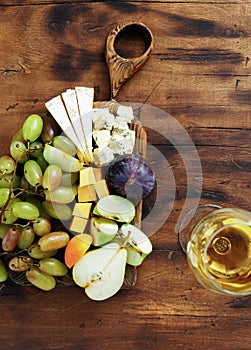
190,220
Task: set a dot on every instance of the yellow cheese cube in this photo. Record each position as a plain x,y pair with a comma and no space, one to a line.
86,193
101,188
97,173
78,224
86,177
82,210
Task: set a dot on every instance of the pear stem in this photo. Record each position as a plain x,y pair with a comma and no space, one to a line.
126,240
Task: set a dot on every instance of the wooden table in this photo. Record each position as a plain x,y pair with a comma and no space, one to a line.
199,73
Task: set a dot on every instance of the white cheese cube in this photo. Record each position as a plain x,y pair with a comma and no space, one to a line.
103,119
101,137
103,156
122,142
125,113
120,125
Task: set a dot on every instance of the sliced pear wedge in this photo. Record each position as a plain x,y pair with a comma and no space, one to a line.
101,271
102,230
134,257
116,208
136,238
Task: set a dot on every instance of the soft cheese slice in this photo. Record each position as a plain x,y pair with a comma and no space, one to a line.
85,97
56,107
70,100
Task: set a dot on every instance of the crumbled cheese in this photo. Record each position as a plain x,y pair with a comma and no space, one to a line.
102,118
101,137
125,113
122,141
120,125
103,156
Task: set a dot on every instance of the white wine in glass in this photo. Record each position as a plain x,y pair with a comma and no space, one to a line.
218,250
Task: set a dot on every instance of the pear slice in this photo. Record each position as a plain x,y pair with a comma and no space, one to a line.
116,208
134,257
101,271
136,238
102,230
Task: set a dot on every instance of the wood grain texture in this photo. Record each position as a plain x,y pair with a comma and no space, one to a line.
200,74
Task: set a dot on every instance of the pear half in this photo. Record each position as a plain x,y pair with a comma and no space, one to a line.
101,271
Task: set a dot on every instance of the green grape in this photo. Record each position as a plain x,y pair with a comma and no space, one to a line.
25,210
41,226
53,267
31,199
40,279
8,216
64,160
75,189
50,128
3,272
35,252
69,179
36,149
20,263
18,136
62,195
42,162
26,237
53,240
24,183
10,239
7,164
6,179
52,177
18,151
4,196
3,229
33,173
16,182
57,211
32,127
65,144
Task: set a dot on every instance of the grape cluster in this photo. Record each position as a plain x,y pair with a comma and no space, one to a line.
34,189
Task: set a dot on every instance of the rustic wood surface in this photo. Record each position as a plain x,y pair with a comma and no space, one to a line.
199,73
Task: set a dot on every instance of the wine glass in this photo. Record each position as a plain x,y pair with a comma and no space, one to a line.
217,242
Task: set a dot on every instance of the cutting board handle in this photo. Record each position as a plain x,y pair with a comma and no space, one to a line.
121,68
